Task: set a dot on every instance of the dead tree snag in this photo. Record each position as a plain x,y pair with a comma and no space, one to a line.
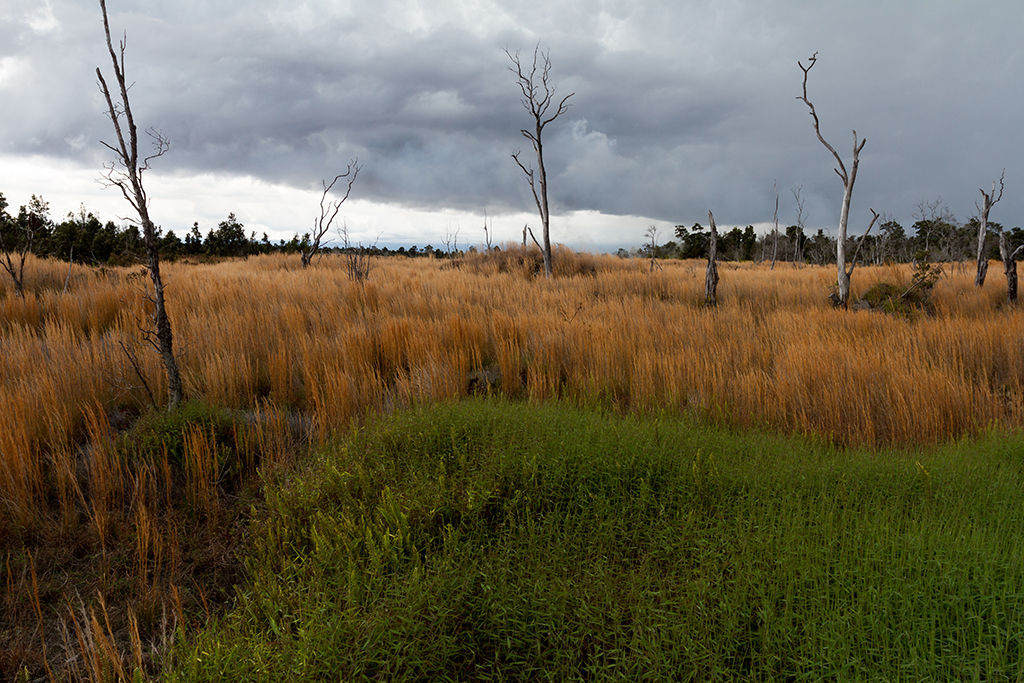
328,211
989,199
125,173
711,276
843,276
538,96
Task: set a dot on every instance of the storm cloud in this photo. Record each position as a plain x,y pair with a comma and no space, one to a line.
679,107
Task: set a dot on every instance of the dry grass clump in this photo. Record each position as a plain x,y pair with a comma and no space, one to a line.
315,347
529,263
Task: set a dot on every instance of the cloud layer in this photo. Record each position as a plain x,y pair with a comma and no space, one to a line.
678,107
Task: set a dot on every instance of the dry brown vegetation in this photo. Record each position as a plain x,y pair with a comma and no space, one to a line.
300,353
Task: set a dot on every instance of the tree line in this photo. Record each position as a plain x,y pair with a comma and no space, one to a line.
83,238
938,237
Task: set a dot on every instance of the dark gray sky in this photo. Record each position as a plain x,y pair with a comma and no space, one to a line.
679,107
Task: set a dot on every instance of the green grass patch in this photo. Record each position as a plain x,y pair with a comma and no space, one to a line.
160,431
487,540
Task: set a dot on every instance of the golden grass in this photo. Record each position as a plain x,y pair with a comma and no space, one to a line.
263,332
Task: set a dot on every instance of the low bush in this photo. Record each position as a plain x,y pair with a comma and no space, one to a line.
160,431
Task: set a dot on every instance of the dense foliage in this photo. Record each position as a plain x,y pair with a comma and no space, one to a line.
940,239
83,238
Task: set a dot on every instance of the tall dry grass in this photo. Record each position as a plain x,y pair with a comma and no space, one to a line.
264,332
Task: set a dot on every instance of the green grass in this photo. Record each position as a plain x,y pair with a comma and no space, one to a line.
495,541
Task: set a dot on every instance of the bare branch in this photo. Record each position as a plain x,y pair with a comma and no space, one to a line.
863,238
329,211
530,230
841,171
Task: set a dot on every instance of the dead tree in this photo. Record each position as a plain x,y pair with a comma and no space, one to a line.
775,227
1009,266
356,256
538,96
843,276
652,245
988,201
451,240
18,238
488,234
328,211
125,173
711,277
798,247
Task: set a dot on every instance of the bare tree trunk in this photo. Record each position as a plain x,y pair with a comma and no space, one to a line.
711,277
128,178
488,232
775,227
798,248
1009,266
538,95
842,276
988,201
652,244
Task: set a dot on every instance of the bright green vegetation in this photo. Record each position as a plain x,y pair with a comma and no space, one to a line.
487,540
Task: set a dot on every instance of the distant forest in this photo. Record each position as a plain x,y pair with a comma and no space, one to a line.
938,238
83,238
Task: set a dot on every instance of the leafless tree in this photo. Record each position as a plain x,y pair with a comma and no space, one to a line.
329,211
451,239
356,256
711,277
989,199
775,226
1009,266
930,214
652,245
538,96
488,234
125,173
18,238
798,248
843,275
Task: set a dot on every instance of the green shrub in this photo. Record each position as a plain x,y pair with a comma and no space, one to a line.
882,293
159,429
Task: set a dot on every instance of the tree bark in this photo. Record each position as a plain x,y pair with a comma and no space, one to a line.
1009,267
711,276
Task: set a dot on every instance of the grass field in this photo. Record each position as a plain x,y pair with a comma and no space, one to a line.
486,540
120,525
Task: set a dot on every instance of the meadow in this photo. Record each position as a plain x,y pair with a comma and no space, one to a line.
145,514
